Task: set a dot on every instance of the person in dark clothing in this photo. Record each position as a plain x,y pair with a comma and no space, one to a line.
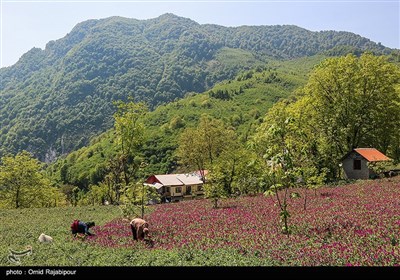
81,227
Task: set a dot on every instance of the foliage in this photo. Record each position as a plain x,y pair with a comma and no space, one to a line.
96,195
53,101
129,132
339,109
250,100
214,189
128,128
200,148
381,167
288,149
136,199
23,183
237,171
354,104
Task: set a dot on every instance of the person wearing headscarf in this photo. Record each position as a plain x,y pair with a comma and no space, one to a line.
81,227
140,229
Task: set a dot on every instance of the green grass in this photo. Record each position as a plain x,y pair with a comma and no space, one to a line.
20,228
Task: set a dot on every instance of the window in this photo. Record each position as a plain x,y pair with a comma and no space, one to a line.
168,189
357,164
188,190
178,190
199,188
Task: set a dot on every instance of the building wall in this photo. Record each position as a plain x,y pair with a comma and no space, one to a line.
152,179
174,191
349,171
174,195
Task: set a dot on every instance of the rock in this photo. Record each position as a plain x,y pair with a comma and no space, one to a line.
43,238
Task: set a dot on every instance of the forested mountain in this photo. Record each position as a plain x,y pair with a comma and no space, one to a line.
53,101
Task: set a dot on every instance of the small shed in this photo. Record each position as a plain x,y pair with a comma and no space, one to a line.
355,163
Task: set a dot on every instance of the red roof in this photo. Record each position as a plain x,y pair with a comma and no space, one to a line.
371,154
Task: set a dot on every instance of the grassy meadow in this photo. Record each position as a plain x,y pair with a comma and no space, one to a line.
347,225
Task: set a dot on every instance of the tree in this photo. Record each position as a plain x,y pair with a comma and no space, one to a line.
199,147
308,159
70,195
382,168
113,181
274,143
190,151
355,103
137,197
214,188
236,171
287,143
129,135
96,195
280,177
22,182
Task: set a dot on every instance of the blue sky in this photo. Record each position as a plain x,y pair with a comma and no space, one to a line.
32,23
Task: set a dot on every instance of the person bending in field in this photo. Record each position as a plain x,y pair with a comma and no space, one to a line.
81,227
140,229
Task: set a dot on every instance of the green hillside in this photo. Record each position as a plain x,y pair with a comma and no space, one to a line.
53,101
241,102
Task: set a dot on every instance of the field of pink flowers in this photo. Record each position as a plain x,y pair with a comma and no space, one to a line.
349,225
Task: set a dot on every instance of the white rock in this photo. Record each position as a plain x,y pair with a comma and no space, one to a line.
43,238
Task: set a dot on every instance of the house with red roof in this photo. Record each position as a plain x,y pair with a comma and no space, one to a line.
355,163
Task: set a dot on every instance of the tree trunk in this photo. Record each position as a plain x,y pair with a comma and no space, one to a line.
216,203
231,179
142,201
305,198
17,198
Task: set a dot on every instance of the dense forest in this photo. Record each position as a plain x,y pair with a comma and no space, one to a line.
55,100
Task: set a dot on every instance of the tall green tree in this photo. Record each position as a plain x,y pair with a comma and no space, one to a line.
287,143
355,103
129,131
237,170
200,147
22,182
348,102
276,145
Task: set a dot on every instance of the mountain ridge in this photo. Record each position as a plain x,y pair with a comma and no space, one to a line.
53,101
